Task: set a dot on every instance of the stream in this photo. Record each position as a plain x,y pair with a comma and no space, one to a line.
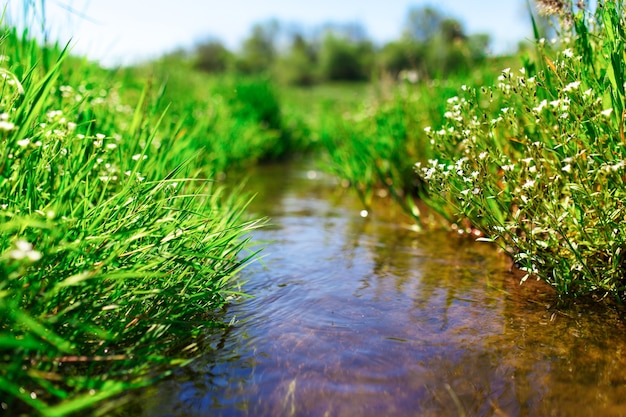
362,316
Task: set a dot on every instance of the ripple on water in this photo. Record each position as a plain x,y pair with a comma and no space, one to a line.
362,317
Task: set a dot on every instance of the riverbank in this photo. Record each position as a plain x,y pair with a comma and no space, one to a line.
118,251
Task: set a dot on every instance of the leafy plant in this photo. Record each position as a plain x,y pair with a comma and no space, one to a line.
541,171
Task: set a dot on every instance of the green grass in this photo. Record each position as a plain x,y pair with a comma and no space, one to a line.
117,251
532,156
539,169
374,141
230,121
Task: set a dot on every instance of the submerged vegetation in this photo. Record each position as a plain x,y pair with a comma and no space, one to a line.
119,248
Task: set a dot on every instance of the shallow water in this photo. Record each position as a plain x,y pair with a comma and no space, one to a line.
357,316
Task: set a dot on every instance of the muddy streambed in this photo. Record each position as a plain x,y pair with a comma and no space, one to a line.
357,316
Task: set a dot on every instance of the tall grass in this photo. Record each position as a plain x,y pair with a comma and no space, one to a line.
532,157
230,121
543,175
116,254
374,143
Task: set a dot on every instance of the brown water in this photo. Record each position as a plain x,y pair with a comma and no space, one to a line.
361,317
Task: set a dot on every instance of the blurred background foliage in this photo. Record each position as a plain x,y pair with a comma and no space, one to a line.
432,45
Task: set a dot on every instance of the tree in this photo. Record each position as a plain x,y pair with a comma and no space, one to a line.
451,30
259,50
478,46
445,47
298,65
212,56
423,23
343,59
406,54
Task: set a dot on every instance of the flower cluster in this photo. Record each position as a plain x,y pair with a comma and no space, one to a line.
536,163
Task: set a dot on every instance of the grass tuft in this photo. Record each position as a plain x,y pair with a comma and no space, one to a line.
117,253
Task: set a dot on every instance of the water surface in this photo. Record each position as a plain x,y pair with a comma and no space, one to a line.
357,316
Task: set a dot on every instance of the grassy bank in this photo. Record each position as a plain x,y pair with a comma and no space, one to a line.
118,249
541,173
374,140
530,155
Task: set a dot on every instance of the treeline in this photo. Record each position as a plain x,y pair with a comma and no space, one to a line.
431,45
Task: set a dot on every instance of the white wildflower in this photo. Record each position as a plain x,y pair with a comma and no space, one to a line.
541,106
571,86
6,125
24,249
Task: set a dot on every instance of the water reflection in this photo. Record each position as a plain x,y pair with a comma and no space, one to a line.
362,317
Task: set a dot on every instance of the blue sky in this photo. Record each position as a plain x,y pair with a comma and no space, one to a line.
124,31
